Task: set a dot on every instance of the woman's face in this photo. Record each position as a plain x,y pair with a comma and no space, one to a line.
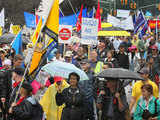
145,93
109,55
73,80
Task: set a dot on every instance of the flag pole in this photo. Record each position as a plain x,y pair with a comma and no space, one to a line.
28,64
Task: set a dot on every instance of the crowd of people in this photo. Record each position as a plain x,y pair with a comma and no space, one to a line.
94,99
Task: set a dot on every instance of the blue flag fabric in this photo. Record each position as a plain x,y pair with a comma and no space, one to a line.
30,20
17,44
134,19
144,29
139,22
72,19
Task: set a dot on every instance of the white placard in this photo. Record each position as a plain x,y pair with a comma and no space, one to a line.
123,13
127,24
89,31
113,20
65,34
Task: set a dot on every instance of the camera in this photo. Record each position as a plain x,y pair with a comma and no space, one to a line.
146,114
58,82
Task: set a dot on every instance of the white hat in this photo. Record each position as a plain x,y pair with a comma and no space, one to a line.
68,54
7,62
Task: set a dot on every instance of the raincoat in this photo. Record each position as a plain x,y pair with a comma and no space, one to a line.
48,102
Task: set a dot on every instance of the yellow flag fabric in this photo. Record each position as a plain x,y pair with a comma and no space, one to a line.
37,31
35,61
16,29
48,102
1,29
52,23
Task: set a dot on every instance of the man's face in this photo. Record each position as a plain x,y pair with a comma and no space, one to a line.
85,66
68,59
18,63
93,55
80,51
101,44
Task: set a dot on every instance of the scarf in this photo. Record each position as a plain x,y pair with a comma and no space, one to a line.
20,100
16,84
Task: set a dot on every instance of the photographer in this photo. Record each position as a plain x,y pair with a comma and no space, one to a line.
148,107
111,101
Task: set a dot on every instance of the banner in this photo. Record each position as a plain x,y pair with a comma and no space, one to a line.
123,13
114,21
152,24
65,34
127,24
89,31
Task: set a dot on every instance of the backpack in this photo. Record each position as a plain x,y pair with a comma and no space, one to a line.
37,112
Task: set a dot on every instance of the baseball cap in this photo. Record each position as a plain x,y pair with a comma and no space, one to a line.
84,61
68,54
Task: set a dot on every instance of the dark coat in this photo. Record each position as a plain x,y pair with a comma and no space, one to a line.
3,84
74,104
28,109
123,60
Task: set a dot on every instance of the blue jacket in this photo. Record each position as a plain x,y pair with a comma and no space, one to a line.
141,106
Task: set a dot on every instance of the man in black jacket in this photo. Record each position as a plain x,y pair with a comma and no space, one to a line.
122,57
26,108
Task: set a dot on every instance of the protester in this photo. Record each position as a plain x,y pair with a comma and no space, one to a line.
122,57
110,59
111,101
148,106
26,108
17,77
87,86
136,91
93,60
134,58
48,102
73,98
101,50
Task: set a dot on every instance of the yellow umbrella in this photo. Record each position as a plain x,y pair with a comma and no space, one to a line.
113,31
105,25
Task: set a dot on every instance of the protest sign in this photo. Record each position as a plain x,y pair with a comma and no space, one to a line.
89,31
123,13
65,34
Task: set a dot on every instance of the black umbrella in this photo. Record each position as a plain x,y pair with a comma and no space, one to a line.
8,38
119,73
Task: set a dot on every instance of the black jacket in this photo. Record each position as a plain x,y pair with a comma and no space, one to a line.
123,60
74,104
3,84
28,109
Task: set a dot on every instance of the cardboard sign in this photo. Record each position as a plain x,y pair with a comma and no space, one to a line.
89,31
